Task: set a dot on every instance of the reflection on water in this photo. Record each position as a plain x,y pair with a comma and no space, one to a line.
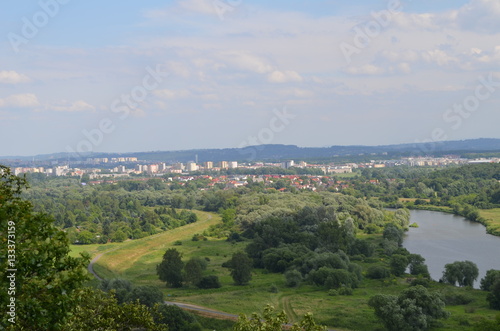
444,238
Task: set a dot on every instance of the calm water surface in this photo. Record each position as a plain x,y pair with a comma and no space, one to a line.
445,238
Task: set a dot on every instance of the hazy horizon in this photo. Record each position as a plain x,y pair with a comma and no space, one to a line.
199,74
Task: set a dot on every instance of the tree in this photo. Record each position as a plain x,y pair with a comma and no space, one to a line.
271,321
98,310
175,318
494,296
121,288
491,276
398,264
147,295
393,233
414,309
417,265
462,272
47,281
193,270
241,268
170,268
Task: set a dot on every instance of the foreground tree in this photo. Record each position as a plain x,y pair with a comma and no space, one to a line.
415,309
98,310
271,321
241,268
170,268
462,272
43,280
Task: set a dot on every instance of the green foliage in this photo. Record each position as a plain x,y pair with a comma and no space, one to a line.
147,295
175,318
241,268
47,280
207,282
393,233
272,321
414,309
170,268
484,325
417,265
121,288
491,276
398,264
462,272
98,310
293,278
377,272
193,270
494,295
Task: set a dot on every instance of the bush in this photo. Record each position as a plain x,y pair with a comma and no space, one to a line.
345,290
377,272
455,299
273,289
211,281
177,243
293,278
421,281
332,292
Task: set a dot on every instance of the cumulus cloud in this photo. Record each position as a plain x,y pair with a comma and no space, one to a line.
12,77
284,76
26,100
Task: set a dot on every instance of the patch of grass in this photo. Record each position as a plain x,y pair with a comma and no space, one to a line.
492,220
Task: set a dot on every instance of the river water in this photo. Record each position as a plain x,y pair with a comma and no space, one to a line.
443,238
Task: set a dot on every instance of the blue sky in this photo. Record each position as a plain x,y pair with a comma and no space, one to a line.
342,72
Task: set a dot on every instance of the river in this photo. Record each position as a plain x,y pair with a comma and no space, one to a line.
443,238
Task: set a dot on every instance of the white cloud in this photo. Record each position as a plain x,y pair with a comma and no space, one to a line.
284,76
367,69
12,77
76,106
26,100
171,94
246,61
199,6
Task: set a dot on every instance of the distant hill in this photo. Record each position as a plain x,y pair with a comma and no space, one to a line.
285,152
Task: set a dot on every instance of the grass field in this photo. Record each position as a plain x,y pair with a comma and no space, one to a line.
136,261
492,217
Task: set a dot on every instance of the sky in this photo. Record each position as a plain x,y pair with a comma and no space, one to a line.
132,76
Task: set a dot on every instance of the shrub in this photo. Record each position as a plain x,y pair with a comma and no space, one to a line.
377,272
211,281
345,290
293,278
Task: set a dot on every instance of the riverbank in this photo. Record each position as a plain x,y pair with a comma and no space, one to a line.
490,218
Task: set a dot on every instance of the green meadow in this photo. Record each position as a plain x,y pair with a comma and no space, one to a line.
136,261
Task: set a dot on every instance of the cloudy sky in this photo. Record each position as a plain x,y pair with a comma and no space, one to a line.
124,76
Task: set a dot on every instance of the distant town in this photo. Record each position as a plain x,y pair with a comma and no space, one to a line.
108,168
